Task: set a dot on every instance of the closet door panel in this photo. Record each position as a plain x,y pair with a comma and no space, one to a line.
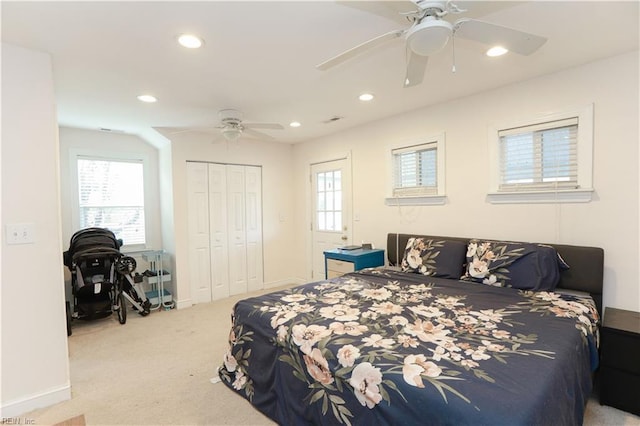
198,232
237,229
253,214
218,235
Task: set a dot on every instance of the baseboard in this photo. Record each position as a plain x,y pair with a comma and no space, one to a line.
184,303
33,402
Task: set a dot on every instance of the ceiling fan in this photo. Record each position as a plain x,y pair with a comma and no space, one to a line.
429,33
231,127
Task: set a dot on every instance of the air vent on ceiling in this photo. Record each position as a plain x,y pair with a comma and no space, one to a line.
107,130
333,119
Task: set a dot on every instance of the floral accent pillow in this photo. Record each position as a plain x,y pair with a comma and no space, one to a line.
524,266
442,259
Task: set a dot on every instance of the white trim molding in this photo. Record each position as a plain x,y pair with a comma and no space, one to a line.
40,400
537,197
184,303
427,200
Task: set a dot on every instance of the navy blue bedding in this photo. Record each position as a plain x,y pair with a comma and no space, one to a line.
386,347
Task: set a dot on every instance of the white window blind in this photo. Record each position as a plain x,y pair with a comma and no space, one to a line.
111,195
415,170
539,157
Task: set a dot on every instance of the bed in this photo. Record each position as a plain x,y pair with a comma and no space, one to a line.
453,331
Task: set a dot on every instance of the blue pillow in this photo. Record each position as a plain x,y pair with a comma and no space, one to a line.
524,266
436,258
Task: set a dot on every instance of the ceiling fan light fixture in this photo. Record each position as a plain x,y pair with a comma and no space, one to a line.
366,97
429,36
497,51
231,133
295,124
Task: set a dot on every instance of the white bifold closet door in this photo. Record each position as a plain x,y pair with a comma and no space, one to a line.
228,210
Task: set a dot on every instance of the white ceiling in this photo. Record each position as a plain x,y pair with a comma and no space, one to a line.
260,57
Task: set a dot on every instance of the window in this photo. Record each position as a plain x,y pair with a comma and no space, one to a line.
548,160
418,173
542,156
415,170
329,202
111,195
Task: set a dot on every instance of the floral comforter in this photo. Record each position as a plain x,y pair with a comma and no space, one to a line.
385,347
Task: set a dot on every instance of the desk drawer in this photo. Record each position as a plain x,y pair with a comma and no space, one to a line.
340,266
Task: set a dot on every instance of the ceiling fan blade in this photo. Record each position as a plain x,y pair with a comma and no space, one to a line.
416,67
179,130
254,134
492,34
273,126
370,44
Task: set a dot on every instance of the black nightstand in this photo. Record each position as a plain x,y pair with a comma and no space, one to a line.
620,360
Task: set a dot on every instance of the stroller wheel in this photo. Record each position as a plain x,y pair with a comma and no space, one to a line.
122,309
68,309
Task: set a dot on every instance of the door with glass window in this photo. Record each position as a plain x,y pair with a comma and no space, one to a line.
331,210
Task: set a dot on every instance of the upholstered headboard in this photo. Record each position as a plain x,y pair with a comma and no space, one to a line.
585,273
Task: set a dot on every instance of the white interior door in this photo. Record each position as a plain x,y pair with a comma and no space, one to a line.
218,231
237,229
198,232
225,230
253,224
331,210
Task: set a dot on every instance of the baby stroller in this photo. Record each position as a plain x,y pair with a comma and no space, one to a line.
101,278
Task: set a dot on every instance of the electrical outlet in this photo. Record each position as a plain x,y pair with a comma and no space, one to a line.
20,233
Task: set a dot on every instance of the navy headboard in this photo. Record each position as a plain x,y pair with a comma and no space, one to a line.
585,272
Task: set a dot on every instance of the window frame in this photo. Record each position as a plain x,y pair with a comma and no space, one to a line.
584,190
439,197
76,154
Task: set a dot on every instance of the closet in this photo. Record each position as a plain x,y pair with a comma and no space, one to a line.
225,229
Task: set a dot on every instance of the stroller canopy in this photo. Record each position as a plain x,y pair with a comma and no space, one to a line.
91,242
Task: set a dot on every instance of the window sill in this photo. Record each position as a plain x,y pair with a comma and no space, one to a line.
533,197
425,200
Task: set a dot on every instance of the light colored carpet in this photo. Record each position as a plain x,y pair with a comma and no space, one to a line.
157,370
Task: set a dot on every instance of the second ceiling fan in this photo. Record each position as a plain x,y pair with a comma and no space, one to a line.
429,33
232,127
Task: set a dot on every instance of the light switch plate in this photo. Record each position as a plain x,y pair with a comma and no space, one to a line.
20,233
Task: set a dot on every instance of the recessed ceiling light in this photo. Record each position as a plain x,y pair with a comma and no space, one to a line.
295,124
190,41
366,97
496,51
147,98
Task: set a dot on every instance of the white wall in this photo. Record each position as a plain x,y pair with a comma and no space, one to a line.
35,366
277,202
610,221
